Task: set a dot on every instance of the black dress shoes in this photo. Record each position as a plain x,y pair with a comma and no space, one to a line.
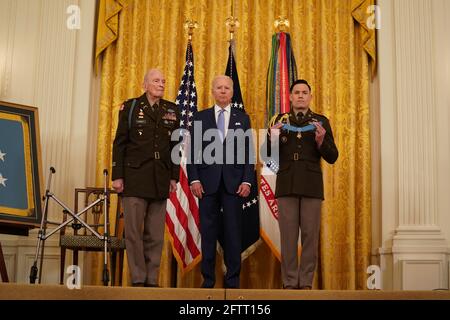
305,288
139,284
289,287
148,285
207,285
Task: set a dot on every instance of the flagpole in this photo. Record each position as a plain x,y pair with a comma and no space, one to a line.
182,218
250,218
281,73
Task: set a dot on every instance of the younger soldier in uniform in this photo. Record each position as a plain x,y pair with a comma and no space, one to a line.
299,186
145,174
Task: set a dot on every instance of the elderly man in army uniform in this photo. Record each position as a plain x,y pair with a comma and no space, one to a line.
304,137
145,174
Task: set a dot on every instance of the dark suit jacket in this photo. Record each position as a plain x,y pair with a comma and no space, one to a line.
233,174
299,171
142,148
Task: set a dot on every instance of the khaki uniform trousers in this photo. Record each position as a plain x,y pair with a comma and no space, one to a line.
299,214
144,237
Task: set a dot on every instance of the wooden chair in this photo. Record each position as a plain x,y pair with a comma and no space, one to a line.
81,239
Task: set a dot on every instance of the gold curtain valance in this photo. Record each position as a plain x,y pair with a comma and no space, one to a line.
107,25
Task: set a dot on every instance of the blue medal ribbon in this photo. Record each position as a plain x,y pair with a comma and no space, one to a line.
309,127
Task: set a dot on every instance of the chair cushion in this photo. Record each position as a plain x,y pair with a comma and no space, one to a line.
89,242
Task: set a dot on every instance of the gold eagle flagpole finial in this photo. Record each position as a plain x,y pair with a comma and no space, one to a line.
281,24
232,23
190,25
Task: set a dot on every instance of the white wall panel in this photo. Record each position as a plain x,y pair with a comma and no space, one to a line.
45,64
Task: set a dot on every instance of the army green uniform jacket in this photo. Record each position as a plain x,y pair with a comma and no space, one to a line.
299,171
142,148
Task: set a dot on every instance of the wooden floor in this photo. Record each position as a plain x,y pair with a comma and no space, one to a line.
12,291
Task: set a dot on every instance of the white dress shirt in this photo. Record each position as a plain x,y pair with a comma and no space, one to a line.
226,115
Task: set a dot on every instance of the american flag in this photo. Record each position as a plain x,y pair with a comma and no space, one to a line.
182,219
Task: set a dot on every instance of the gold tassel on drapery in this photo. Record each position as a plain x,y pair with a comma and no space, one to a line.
332,48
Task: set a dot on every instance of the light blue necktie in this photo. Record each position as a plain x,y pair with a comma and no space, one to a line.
221,124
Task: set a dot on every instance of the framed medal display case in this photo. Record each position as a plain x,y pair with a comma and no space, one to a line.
20,174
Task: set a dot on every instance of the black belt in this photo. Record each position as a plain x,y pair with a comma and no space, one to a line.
296,157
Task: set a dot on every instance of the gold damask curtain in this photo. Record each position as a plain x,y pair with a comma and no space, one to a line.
333,48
